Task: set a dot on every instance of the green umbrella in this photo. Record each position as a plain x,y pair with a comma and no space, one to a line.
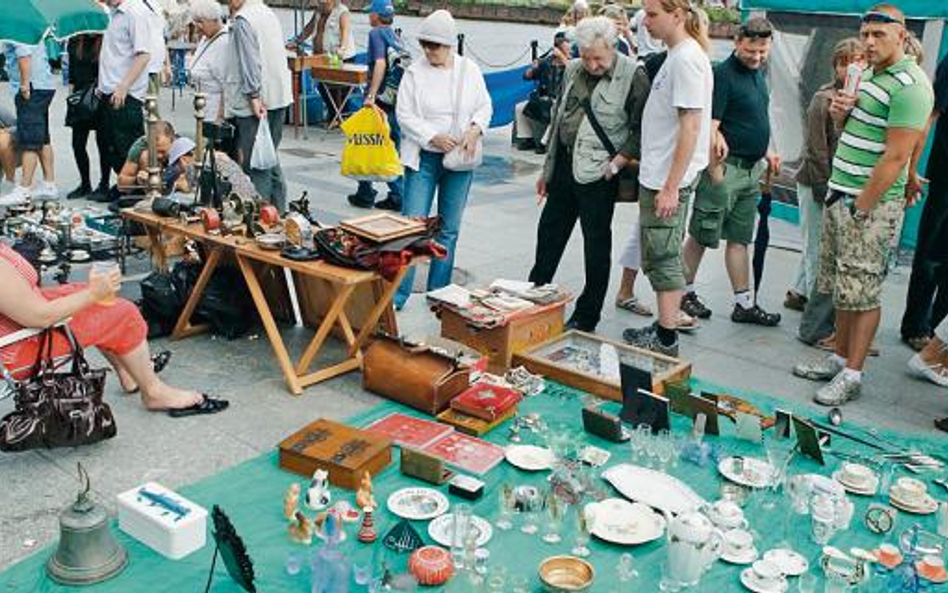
29,21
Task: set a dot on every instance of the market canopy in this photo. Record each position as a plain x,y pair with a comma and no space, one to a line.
29,21
913,8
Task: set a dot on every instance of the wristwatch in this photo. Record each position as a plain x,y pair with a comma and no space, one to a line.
613,168
858,213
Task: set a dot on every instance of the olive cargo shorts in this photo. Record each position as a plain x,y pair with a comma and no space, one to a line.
726,210
661,240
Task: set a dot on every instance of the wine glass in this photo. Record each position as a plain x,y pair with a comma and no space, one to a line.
505,503
584,526
554,509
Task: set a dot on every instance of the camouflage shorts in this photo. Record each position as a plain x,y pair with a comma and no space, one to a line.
855,254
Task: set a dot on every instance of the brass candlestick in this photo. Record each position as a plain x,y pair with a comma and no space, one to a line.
151,117
200,102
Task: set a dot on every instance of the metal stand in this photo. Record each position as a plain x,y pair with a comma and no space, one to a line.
200,102
151,117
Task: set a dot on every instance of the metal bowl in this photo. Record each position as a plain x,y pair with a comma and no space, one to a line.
566,574
271,241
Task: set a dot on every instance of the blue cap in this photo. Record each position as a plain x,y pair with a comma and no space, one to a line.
382,8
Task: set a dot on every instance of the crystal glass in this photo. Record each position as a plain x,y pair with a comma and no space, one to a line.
518,584
528,515
554,523
103,268
807,583
678,443
497,578
665,449
460,525
668,582
481,556
584,525
505,504
294,563
361,573
625,570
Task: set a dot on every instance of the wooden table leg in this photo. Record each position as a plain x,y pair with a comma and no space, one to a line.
183,327
269,324
337,309
158,255
383,305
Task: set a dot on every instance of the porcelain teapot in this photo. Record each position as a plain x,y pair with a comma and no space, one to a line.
693,544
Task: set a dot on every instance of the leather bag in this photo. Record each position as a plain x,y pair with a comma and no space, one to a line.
414,375
82,106
55,408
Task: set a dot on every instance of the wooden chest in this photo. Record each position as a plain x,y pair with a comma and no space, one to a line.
345,452
499,344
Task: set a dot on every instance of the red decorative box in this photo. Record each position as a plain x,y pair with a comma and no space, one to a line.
485,401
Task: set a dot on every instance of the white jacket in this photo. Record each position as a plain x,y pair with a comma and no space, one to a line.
427,101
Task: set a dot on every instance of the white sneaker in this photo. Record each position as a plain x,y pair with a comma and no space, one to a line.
18,195
936,373
46,189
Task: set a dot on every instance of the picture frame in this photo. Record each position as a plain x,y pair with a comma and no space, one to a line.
382,226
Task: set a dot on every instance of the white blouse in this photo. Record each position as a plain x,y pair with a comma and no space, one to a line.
208,70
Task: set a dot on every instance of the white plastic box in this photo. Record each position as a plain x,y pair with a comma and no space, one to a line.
159,526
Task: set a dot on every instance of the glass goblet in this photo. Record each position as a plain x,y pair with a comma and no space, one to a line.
584,526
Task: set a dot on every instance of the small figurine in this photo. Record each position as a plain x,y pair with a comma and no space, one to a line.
301,530
364,496
346,511
330,528
367,533
318,495
290,499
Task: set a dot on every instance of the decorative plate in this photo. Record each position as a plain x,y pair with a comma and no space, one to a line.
867,490
653,488
751,582
791,563
926,506
756,473
418,504
440,530
529,457
619,521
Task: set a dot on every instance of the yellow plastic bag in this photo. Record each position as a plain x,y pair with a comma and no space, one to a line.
369,154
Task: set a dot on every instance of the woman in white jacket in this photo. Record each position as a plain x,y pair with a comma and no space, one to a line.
443,104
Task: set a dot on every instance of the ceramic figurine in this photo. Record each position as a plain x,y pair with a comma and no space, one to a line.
318,496
329,527
367,532
290,499
364,496
301,530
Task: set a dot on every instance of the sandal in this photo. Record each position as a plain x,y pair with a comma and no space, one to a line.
634,305
208,405
686,323
159,361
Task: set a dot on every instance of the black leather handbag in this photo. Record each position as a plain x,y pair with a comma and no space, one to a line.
82,106
55,408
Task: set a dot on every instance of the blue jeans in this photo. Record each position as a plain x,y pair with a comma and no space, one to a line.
420,186
365,192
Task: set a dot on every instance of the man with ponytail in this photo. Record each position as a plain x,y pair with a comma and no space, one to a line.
676,146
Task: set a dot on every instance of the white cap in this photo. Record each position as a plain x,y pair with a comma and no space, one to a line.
438,27
180,147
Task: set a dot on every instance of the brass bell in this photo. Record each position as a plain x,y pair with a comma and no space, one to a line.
88,552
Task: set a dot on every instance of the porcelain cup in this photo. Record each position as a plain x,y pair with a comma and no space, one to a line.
767,573
857,474
738,542
727,514
888,554
910,490
932,566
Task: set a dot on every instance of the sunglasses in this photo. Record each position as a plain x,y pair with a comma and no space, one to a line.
881,17
752,34
429,45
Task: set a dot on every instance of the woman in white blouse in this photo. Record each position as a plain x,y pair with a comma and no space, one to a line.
207,70
442,105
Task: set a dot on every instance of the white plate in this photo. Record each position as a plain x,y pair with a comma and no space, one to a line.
757,472
440,530
868,489
747,558
824,485
417,504
749,580
529,457
622,522
653,488
791,563
926,506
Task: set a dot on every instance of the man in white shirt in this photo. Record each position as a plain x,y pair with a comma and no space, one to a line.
157,63
123,77
676,146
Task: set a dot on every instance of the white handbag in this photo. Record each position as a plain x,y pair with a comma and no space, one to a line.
456,159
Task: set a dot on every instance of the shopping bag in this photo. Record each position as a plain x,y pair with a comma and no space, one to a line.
264,154
369,154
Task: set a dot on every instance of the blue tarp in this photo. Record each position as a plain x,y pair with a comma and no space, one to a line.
507,88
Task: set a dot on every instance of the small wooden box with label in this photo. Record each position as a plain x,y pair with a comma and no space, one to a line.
499,344
345,452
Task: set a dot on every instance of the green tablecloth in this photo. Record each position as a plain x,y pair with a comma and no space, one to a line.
252,492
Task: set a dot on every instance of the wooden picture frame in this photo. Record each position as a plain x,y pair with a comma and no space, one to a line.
382,226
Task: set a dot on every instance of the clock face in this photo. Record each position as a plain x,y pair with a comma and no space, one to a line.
879,520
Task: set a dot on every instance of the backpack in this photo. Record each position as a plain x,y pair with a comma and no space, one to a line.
397,61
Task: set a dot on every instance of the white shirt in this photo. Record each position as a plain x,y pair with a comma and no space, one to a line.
685,81
643,39
156,26
128,35
208,70
332,35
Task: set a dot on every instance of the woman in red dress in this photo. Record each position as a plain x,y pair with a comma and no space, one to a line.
96,318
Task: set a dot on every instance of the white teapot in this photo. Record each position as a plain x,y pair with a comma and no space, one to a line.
693,544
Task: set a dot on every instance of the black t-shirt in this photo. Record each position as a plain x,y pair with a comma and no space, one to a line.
741,104
938,159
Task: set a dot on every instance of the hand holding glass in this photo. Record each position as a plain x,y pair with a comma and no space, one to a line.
105,280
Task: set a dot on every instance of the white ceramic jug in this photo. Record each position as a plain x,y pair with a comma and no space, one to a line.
693,544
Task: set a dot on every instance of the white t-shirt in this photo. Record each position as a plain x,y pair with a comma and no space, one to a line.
685,81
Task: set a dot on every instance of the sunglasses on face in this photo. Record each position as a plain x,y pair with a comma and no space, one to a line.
428,45
881,17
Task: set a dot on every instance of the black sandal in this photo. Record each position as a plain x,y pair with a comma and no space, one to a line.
208,405
755,315
160,360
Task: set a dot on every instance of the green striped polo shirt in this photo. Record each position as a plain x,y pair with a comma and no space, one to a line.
898,97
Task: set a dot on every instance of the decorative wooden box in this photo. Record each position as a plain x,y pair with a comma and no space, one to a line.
345,452
575,359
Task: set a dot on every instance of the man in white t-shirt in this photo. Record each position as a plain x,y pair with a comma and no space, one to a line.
676,146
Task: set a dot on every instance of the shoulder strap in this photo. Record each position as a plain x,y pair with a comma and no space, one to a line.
597,127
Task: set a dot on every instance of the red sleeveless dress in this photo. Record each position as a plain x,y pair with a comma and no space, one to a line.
117,328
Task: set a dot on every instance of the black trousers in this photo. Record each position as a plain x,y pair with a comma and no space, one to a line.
121,128
80,138
926,303
593,204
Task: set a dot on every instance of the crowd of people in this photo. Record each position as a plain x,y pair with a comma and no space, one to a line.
625,108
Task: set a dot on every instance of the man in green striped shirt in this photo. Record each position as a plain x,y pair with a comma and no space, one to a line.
881,125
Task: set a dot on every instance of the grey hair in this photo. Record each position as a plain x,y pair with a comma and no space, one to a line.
206,10
593,29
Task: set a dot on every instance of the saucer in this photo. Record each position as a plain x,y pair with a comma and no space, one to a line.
868,489
747,557
530,457
750,581
938,578
792,563
926,506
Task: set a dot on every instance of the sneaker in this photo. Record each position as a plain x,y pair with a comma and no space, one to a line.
822,369
686,323
79,193
18,195
936,373
390,203
647,339
46,189
838,391
692,305
794,301
754,315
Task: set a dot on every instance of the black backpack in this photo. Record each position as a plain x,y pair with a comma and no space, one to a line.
397,61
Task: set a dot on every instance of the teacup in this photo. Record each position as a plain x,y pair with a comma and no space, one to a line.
727,514
888,555
767,573
909,490
932,567
857,474
738,542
